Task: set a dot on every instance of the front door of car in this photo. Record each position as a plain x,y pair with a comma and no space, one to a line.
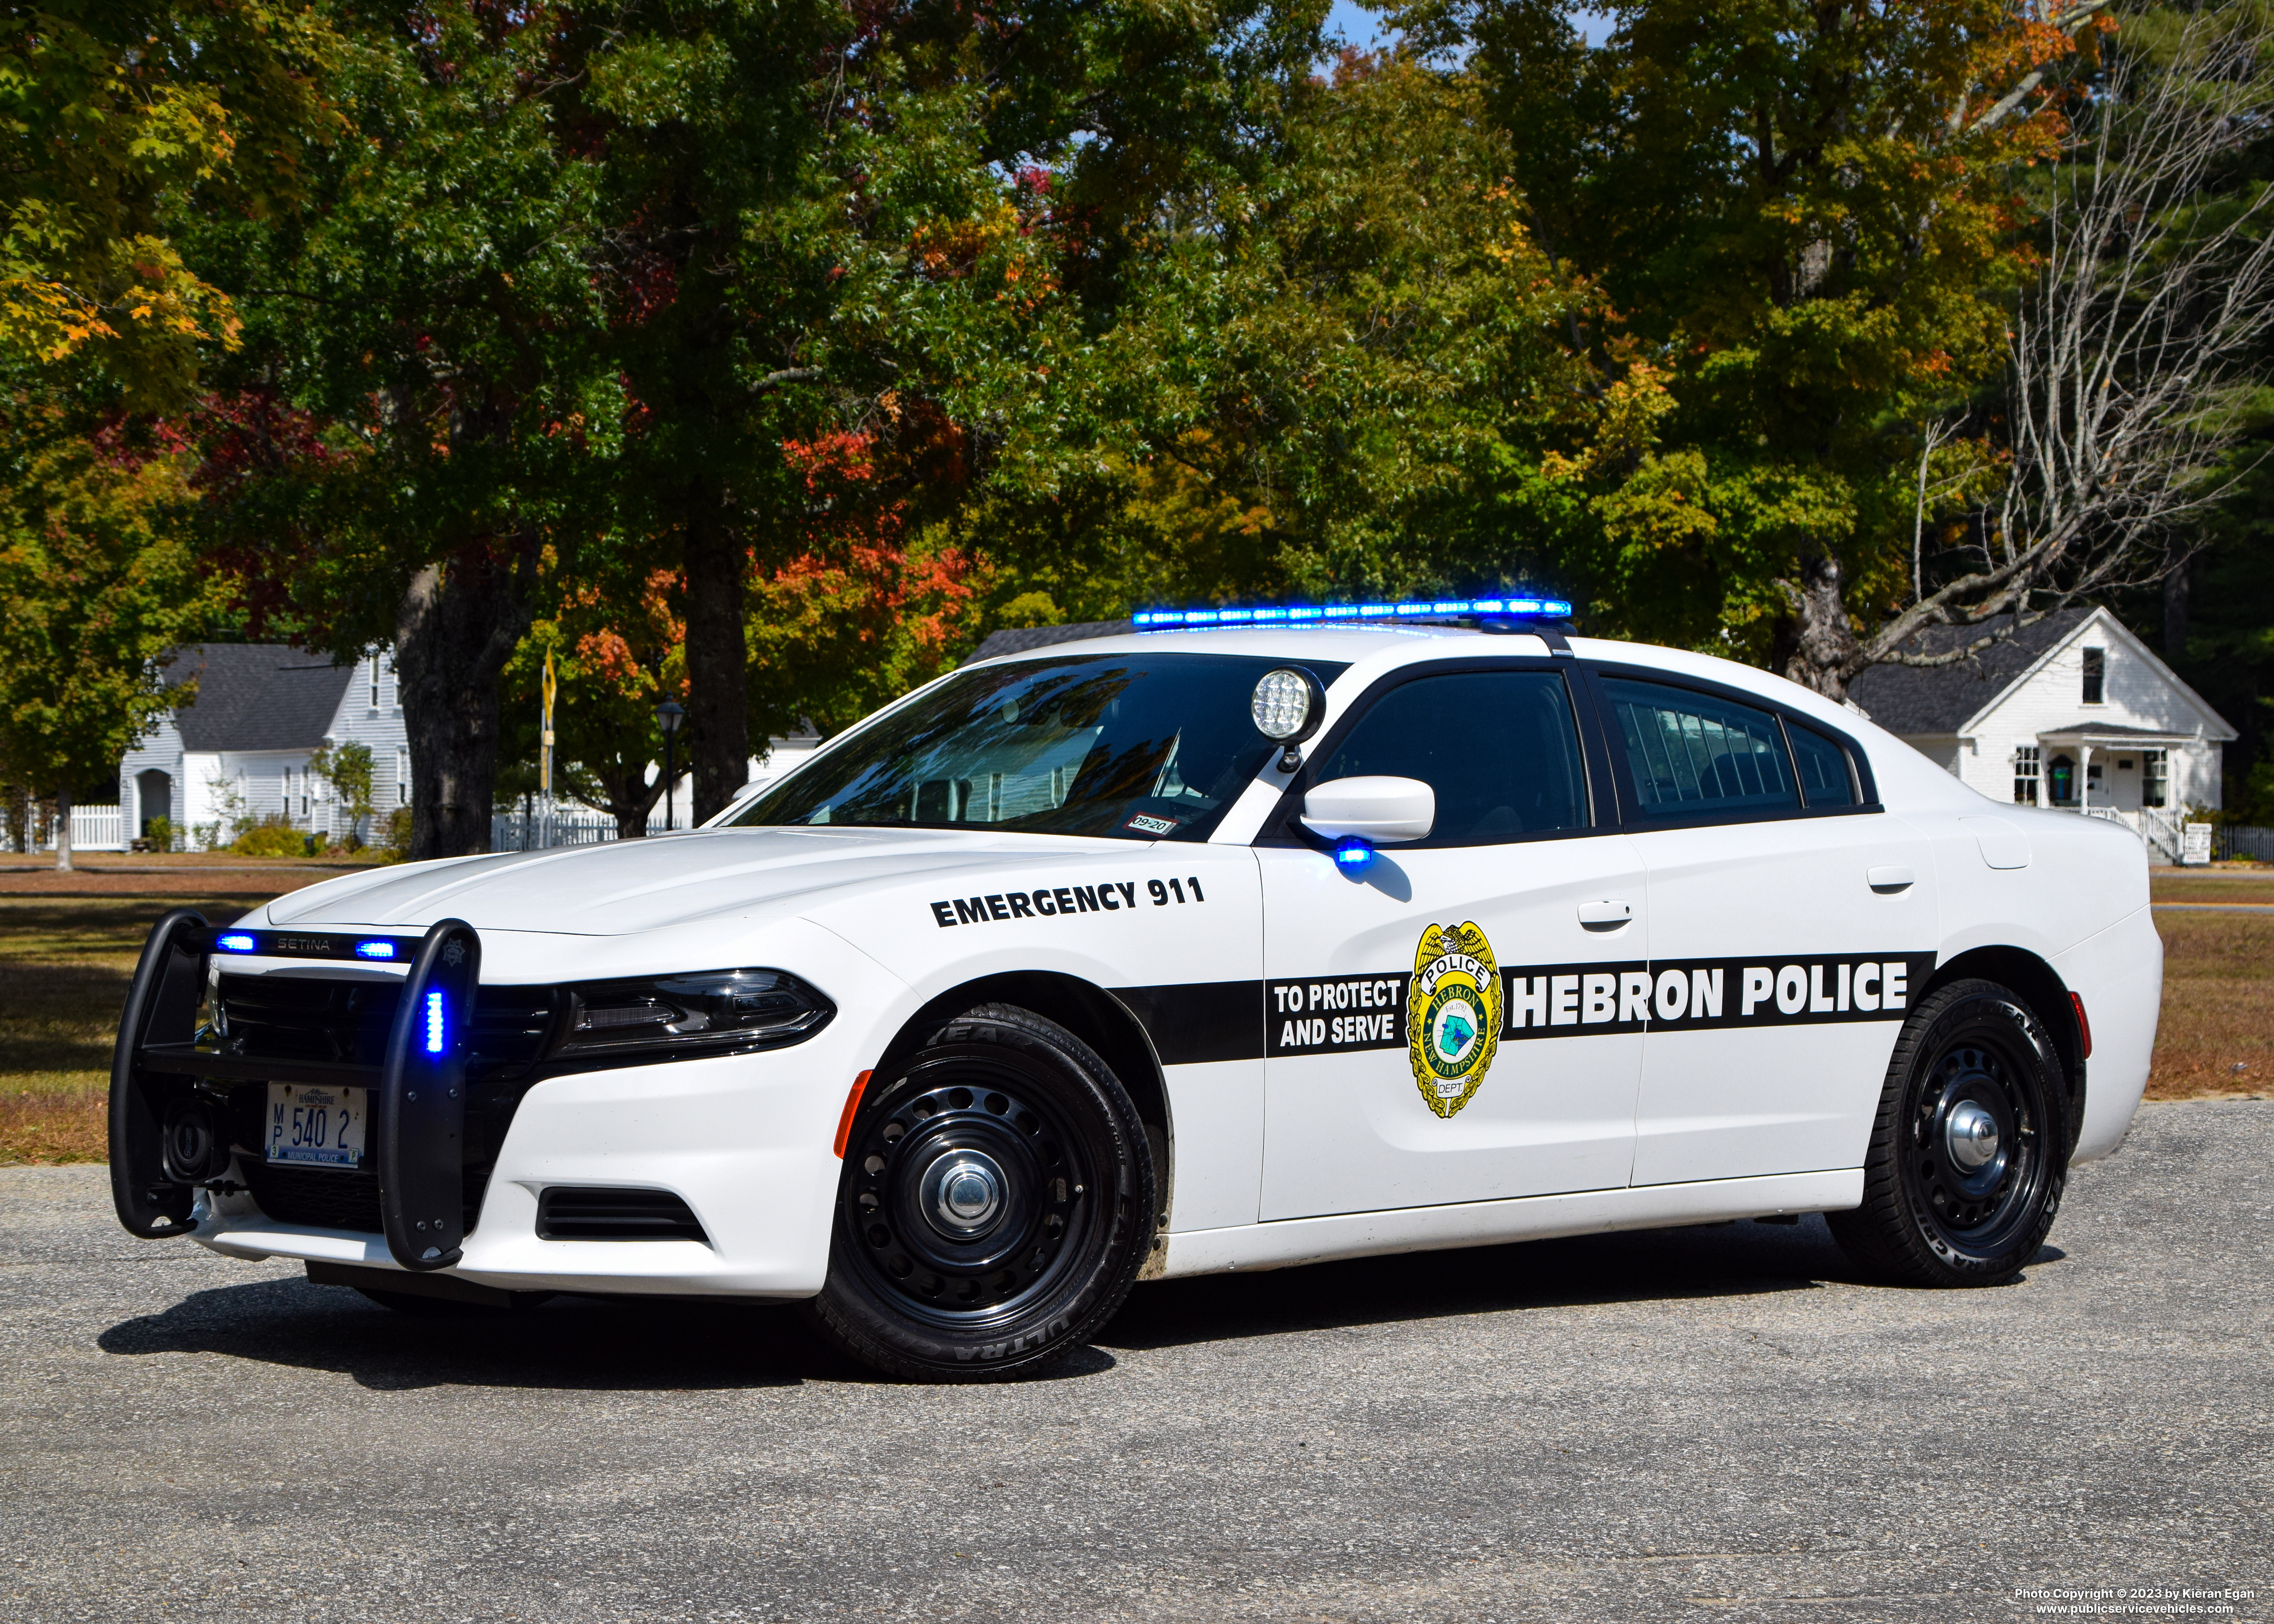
1456,1020
1791,924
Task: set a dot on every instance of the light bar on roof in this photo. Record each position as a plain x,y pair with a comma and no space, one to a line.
1327,614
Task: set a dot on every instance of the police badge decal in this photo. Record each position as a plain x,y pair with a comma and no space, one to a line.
1452,1015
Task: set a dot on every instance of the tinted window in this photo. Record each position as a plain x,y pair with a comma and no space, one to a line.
1498,746
1691,753
1141,746
1825,781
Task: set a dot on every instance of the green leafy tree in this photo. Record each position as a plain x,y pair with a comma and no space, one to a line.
96,587
347,767
1806,220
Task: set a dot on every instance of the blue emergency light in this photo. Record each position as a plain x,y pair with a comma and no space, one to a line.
234,944
1331,614
374,949
434,1023
1352,854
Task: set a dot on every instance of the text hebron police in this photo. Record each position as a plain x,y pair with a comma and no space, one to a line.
1340,1014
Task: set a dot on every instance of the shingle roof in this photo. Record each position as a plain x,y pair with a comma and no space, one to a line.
257,695
1046,636
1936,699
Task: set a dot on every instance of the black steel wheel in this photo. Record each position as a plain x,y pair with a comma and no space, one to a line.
992,1210
1970,1151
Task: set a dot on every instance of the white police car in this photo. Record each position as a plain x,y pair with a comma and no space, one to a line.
1204,948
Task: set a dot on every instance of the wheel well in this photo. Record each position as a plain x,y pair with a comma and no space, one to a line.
2039,982
1092,1014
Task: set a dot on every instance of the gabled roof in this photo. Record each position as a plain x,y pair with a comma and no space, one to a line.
257,695
1910,700
1940,699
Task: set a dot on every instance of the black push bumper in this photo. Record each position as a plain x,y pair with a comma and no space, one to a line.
167,1138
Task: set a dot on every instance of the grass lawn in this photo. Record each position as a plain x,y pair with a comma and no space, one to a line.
68,943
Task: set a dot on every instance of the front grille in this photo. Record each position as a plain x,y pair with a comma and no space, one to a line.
565,1212
325,1017
287,1017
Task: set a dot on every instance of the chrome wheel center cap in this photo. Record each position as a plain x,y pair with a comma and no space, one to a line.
1970,1134
963,1193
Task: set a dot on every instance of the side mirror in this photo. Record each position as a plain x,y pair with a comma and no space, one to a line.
1380,811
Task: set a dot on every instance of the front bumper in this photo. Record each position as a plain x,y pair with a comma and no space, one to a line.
744,1140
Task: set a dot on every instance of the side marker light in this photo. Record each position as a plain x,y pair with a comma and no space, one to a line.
2083,1026
434,1023
851,1106
1352,854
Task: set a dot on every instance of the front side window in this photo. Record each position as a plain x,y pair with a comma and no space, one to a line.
1499,748
1693,755
2025,775
1141,746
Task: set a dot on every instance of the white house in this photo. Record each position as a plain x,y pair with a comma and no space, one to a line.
242,745
2072,711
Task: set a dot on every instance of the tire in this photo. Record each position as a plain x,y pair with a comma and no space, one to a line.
1946,1206
996,1203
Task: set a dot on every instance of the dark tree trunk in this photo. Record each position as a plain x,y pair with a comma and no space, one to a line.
717,699
1824,653
630,798
2176,586
457,627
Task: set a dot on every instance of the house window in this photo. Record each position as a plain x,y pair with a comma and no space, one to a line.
402,775
374,664
2096,674
2025,775
2062,771
2154,776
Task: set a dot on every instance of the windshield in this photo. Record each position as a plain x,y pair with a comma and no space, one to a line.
1143,746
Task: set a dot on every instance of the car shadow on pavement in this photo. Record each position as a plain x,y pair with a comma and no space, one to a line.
1707,1261
565,1343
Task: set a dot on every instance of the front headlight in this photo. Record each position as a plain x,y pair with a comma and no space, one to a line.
706,1011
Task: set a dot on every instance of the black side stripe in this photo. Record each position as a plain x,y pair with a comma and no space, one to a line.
1193,1022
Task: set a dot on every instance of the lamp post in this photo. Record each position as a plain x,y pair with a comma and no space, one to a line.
669,716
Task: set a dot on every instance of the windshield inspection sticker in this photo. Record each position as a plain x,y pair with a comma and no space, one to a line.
1347,1014
1146,824
1057,901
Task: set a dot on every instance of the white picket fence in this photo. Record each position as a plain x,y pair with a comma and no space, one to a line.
93,829
568,825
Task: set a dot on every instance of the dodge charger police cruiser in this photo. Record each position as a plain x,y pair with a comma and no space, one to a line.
1247,939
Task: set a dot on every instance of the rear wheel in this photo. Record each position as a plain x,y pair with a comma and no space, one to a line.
994,1206
1970,1151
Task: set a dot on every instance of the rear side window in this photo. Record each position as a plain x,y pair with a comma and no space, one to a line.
1498,746
1824,778
1694,755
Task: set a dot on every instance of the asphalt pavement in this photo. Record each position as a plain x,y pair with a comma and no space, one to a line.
1709,1422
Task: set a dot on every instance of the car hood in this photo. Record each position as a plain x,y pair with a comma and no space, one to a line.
624,887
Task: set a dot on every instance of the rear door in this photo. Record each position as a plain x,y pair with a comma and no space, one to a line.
1459,1020
1792,922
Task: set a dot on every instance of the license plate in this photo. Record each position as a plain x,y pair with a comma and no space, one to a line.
311,1126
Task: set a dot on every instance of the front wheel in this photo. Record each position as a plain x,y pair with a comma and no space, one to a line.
994,1208
1970,1151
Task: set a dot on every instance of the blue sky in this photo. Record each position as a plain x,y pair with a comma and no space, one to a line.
1363,29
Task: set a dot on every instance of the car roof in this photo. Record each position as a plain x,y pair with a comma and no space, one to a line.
1372,651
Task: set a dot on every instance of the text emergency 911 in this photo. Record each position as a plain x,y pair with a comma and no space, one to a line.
1108,896
1342,1014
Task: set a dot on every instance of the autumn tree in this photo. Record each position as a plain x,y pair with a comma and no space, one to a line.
1810,221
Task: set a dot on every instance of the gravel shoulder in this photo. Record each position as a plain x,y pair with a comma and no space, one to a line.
1701,1421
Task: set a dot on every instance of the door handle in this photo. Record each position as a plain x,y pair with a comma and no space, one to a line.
1606,915
1888,878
